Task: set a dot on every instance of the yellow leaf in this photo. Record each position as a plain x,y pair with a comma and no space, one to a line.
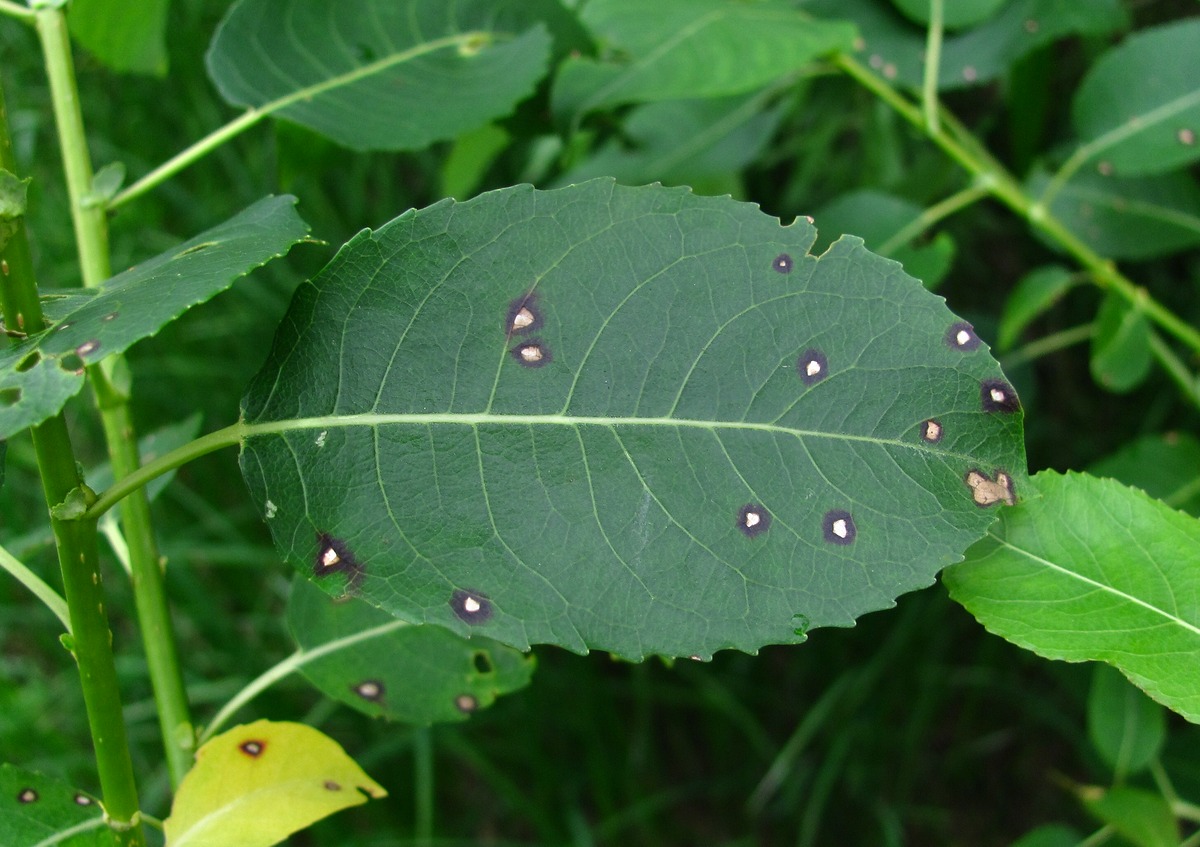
256,784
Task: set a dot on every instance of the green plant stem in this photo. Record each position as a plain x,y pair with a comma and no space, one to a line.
16,10
76,542
292,663
423,785
930,216
91,238
933,60
1183,378
990,174
1048,344
38,586
248,119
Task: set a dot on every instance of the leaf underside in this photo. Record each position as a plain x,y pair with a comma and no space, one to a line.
630,419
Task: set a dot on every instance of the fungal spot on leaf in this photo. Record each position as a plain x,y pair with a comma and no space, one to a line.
753,519
271,510
63,325
1186,136
29,362
330,785
1032,26
1105,168
812,367
320,442
471,606
111,316
783,263
998,396
482,662
88,347
27,795
370,689
466,703
839,527
961,336
333,556
83,800
253,748
523,315
988,492
196,248
969,73
532,354
931,431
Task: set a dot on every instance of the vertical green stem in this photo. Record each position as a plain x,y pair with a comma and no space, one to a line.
91,235
423,784
91,638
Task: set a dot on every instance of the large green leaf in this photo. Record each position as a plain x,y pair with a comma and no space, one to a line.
1138,109
41,373
895,48
632,419
382,74
128,37
1093,570
676,49
385,668
38,810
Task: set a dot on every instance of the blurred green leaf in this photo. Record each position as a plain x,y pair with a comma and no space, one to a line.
1052,835
415,674
470,157
47,369
1035,293
895,48
1126,727
1127,218
1121,354
629,419
957,13
1140,816
1091,570
876,217
381,74
127,37
1164,466
676,49
1138,108
39,810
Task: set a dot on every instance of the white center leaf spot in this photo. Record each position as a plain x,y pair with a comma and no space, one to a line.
998,395
752,519
933,431
963,337
812,368
272,509
522,319
840,529
1186,136
988,492
471,605
87,347
330,557
531,353
321,438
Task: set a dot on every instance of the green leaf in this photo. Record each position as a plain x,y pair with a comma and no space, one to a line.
683,142
1164,466
415,674
1140,816
40,374
629,419
1036,293
1052,835
956,15
895,48
381,74
876,217
1121,354
470,158
1091,570
37,810
1127,218
1126,727
127,37
676,49
1138,108
256,784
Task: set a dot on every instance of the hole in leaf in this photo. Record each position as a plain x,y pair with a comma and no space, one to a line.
523,315
532,354
986,491
253,748
839,527
471,606
753,519
998,396
10,396
812,366
783,263
482,662
29,362
931,431
370,690
466,703
71,363
27,795
961,336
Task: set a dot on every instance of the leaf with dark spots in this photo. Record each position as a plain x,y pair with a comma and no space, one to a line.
36,809
597,502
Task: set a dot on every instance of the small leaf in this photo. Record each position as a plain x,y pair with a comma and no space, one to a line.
1138,108
38,810
381,74
1121,354
1052,835
76,503
1036,292
1140,816
628,419
107,182
689,49
1127,728
469,159
256,784
1164,466
415,674
1091,570
41,373
957,13
127,37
